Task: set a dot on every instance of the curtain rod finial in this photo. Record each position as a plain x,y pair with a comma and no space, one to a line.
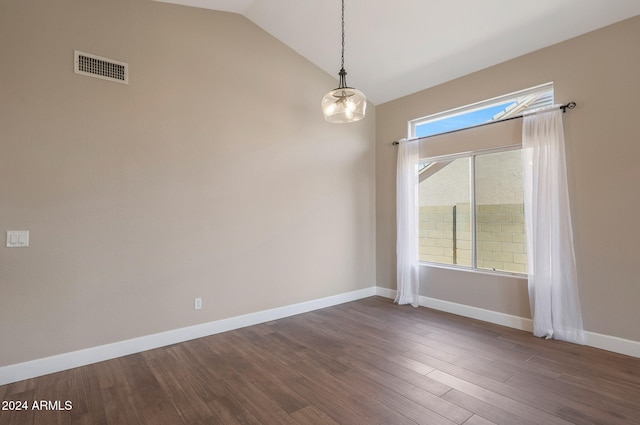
569,105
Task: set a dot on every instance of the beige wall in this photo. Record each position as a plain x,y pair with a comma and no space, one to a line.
212,174
599,71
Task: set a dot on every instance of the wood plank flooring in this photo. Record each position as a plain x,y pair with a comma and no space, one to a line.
366,362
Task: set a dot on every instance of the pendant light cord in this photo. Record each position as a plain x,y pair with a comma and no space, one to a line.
342,63
342,73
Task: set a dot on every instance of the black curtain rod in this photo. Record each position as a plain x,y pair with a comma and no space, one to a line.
564,108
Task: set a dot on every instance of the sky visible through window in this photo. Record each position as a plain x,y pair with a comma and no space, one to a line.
460,121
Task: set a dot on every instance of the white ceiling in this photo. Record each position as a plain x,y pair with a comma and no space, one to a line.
398,47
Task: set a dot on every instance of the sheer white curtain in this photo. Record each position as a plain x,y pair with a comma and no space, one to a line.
407,223
553,286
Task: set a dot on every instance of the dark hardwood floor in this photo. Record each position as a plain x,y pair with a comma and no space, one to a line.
366,362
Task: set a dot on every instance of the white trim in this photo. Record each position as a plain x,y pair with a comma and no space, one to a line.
498,273
44,366
469,154
612,343
605,342
385,292
490,316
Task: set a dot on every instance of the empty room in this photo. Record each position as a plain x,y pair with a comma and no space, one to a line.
319,212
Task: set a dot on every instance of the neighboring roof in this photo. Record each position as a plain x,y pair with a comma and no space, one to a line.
528,102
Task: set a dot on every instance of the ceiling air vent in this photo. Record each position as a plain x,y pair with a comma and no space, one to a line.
97,67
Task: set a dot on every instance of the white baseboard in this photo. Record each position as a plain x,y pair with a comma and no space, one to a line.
612,343
44,366
385,292
605,342
490,316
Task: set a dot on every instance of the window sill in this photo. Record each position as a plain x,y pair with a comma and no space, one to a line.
478,271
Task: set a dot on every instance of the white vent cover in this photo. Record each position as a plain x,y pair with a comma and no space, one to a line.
97,67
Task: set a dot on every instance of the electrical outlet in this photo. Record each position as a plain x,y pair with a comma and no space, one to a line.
197,304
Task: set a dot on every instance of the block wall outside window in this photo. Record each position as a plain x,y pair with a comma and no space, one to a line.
445,236
501,238
436,243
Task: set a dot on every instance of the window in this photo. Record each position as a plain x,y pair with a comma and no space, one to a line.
444,195
499,108
471,202
472,213
500,235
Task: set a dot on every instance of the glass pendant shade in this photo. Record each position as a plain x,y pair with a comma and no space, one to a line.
344,105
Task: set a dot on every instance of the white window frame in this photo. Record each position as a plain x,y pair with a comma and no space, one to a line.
413,124
472,209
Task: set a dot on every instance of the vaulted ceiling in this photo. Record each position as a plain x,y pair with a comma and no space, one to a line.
398,47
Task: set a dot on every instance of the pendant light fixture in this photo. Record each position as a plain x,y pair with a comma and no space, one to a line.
344,104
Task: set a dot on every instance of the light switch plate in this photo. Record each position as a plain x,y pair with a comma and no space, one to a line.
17,238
